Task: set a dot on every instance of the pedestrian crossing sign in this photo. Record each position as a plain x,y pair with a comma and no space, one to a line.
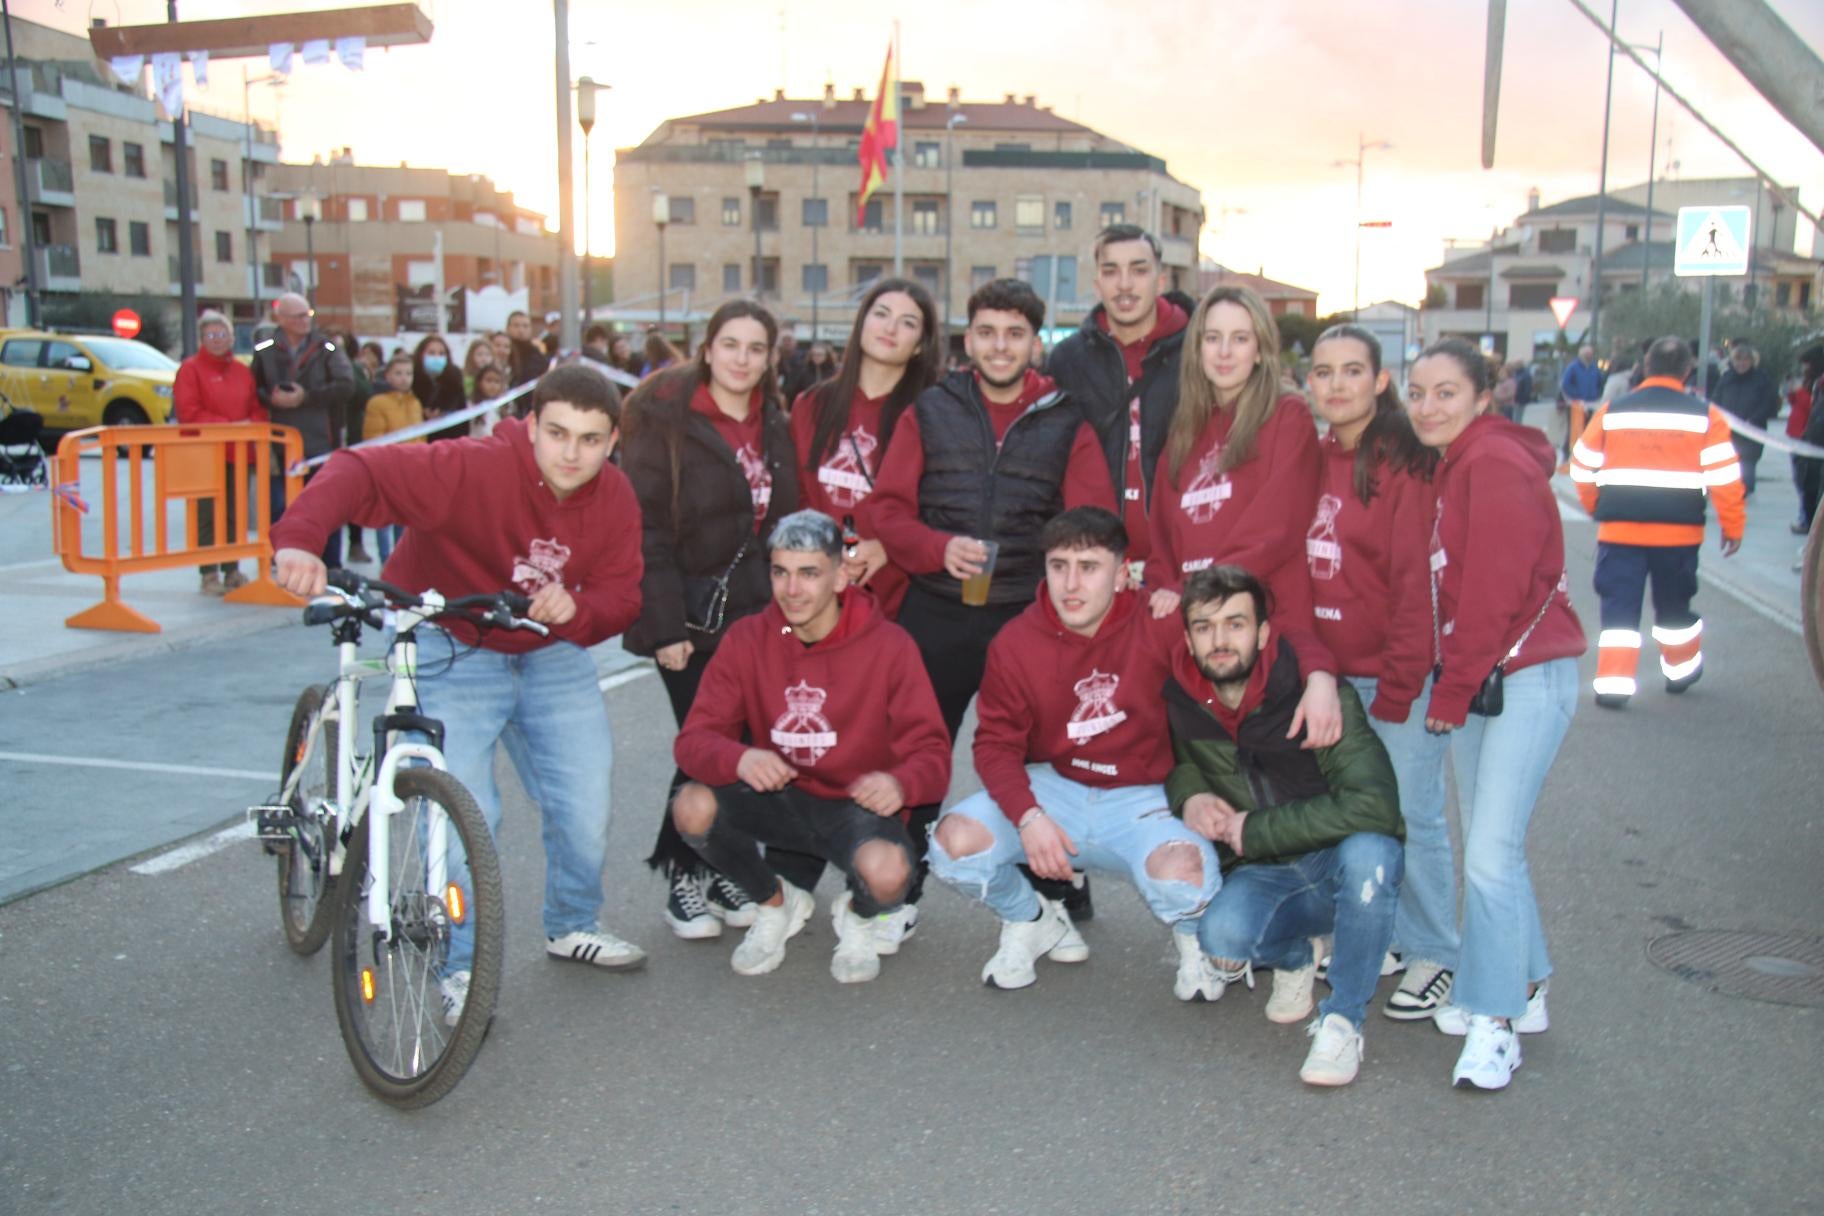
1712,241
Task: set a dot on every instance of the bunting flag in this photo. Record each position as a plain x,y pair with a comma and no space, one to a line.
315,51
880,134
168,79
199,67
278,57
128,68
352,51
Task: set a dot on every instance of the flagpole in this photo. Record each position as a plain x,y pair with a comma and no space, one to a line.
899,167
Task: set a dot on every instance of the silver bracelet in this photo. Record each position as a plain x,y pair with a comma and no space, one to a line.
1028,817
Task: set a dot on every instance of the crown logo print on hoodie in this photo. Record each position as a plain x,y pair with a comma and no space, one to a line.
1208,490
842,474
1095,713
544,566
1322,550
802,734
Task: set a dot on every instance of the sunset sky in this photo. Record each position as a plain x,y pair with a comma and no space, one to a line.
1252,104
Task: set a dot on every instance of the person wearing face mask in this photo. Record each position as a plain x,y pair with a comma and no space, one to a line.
212,386
438,385
709,452
1506,645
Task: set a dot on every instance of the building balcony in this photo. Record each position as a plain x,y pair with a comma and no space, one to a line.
59,267
49,182
1177,251
171,200
262,212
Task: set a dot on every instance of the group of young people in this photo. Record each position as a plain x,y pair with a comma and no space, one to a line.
1210,652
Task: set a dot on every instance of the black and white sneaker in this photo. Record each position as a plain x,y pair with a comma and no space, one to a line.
1424,991
728,903
686,911
1077,901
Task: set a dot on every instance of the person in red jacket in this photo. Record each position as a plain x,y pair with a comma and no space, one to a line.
212,386
1072,749
814,730
1507,643
842,426
1368,551
535,507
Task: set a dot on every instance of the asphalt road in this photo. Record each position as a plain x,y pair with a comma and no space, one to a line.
162,1048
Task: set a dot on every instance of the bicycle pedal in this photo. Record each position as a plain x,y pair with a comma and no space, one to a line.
273,825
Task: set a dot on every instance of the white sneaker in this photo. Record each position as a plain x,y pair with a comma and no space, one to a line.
1198,979
1336,1052
1491,1055
892,929
597,946
1022,942
1071,948
1424,990
455,990
857,959
1454,1019
763,947
1290,1000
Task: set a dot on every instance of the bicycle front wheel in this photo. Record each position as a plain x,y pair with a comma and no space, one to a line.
305,906
442,877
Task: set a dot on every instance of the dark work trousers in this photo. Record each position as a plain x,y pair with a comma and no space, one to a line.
827,829
670,853
1622,575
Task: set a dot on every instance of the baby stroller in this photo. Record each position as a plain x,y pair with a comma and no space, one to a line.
22,462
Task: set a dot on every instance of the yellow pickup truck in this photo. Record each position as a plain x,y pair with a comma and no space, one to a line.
81,380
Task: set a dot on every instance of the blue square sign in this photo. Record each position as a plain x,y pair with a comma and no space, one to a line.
1712,241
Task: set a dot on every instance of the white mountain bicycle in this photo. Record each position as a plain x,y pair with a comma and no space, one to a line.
385,851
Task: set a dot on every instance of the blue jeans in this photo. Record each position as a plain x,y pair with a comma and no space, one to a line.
1425,927
546,707
1267,913
1115,830
1501,765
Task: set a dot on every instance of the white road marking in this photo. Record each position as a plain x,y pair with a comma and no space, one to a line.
142,766
186,854
624,677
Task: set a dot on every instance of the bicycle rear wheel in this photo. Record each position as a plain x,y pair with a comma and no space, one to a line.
389,997
305,906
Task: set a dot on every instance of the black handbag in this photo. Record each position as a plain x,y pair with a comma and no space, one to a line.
1490,698
706,599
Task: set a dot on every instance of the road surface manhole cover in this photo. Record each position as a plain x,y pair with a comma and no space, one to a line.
1785,969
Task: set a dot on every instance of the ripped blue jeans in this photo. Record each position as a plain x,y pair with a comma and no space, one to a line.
1115,830
1268,913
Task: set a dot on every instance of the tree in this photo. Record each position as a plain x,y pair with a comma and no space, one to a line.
1673,308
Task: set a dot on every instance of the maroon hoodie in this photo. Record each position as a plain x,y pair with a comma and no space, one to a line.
1091,707
853,703
1368,567
1497,556
480,519
1168,319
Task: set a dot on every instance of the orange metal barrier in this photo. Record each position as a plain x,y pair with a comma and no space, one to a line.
191,464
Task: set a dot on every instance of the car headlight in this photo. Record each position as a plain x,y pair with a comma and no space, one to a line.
163,390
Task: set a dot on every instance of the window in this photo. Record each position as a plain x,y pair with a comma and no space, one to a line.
1805,295
1022,269
817,212
867,272
731,213
683,209
1558,240
929,277
982,213
980,276
133,159
731,277
218,176
816,277
1531,295
1060,216
1471,295
101,154
272,274
1114,213
107,239
766,212
6,234
924,216
22,352
1029,213
683,276
224,247
769,277
411,211
357,211
60,354
927,156
139,239
1782,292
34,143
1633,232
870,217
421,272
41,229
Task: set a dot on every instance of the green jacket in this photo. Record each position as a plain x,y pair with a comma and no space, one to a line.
1297,801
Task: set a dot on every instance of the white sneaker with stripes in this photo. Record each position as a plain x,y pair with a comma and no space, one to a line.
596,946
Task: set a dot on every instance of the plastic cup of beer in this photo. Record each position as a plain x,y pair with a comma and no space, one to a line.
975,587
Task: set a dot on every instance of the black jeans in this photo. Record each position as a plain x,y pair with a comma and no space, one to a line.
795,821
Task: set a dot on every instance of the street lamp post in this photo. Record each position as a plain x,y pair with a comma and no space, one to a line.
950,126
816,281
1363,146
661,216
756,182
1592,335
585,117
310,210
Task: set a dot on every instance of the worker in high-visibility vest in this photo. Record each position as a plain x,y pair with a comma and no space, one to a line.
1645,468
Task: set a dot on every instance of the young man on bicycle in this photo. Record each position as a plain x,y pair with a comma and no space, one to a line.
534,507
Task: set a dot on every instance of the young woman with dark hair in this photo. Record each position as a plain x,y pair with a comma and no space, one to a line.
842,426
710,456
1367,552
1506,645
820,363
437,383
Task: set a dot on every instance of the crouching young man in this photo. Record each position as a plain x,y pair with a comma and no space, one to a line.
1072,748
1309,839
846,739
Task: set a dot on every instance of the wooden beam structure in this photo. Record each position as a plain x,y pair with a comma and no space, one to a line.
249,37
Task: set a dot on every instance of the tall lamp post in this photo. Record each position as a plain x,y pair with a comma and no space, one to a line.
1363,146
950,125
585,117
661,216
756,182
310,210
816,282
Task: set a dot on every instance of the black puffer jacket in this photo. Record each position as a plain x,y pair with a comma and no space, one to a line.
695,520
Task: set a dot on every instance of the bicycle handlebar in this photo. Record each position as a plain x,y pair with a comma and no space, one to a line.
364,596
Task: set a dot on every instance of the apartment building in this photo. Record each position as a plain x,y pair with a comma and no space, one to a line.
991,190
389,239
1281,299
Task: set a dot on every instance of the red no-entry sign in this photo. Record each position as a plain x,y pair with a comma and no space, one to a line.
126,323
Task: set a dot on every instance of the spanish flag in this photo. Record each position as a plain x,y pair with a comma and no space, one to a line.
880,133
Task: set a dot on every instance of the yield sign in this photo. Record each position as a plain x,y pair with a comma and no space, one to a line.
1562,308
